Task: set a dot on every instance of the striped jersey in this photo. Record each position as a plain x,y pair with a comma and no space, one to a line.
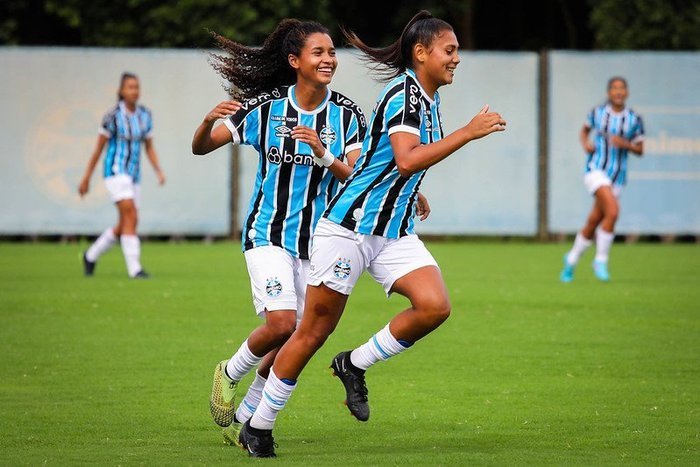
376,199
605,122
125,132
291,191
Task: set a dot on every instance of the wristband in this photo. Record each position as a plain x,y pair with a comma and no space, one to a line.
326,160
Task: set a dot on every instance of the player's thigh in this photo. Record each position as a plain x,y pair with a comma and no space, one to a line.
398,258
425,288
272,279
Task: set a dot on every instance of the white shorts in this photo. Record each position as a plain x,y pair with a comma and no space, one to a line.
339,255
596,179
121,187
277,279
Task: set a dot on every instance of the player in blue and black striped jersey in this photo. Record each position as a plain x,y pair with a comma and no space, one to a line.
124,129
369,223
617,130
307,137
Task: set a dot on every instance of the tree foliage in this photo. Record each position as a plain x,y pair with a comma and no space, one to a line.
646,24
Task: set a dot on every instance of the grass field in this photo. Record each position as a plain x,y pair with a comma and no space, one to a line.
526,371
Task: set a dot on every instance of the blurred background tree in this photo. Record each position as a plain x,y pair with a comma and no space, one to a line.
480,24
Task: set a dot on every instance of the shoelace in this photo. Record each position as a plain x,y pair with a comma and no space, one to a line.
360,387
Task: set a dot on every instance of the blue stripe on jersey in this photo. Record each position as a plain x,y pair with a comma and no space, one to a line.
376,200
605,122
290,191
125,132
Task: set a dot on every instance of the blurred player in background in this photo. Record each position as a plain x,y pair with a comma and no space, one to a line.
303,132
124,128
617,130
369,223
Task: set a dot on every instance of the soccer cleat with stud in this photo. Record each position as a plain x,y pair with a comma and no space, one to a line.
567,274
258,443
355,387
223,393
600,269
232,434
88,266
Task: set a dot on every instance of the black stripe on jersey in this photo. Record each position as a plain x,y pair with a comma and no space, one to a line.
116,148
409,204
283,178
619,159
307,213
375,135
264,114
127,136
606,149
388,206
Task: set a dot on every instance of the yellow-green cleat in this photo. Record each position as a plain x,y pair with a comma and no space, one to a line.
223,393
231,434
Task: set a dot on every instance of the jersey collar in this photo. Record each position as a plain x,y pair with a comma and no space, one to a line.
293,102
610,110
125,110
412,74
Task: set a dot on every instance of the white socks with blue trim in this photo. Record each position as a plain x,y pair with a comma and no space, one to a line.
603,242
241,363
103,243
250,402
274,397
381,346
131,249
581,244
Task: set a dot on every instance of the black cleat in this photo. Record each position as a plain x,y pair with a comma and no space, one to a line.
88,267
258,443
141,275
355,388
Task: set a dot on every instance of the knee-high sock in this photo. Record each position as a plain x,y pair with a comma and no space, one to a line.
275,395
131,248
381,346
603,242
103,243
241,362
250,402
581,244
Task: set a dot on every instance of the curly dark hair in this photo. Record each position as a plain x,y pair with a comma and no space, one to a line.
390,61
253,70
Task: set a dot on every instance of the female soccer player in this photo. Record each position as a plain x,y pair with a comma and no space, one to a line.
124,128
617,131
369,224
302,131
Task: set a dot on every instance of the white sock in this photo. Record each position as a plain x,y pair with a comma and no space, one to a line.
603,241
242,362
131,248
581,244
381,346
274,397
250,402
103,243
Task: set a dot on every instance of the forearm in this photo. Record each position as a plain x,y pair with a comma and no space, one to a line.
202,142
92,163
583,137
637,148
340,170
424,156
153,158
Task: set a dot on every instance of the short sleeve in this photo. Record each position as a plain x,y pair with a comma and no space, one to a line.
244,126
108,127
403,110
590,119
355,131
638,131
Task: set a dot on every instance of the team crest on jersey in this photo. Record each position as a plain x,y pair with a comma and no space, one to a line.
327,135
273,287
342,268
282,131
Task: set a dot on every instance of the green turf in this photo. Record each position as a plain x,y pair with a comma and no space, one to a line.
526,370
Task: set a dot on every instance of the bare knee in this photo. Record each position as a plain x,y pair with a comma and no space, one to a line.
435,310
281,326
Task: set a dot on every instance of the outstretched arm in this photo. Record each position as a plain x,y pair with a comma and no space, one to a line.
206,140
411,156
84,185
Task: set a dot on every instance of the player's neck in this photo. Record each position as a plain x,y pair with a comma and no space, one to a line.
428,85
309,96
617,108
130,106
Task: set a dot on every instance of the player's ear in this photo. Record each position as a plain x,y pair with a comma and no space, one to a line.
293,61
420,53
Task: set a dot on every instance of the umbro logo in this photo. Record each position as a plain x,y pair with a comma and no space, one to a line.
282,131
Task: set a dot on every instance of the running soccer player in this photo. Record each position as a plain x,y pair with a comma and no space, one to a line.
617,130
369,224
124,129
302,131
